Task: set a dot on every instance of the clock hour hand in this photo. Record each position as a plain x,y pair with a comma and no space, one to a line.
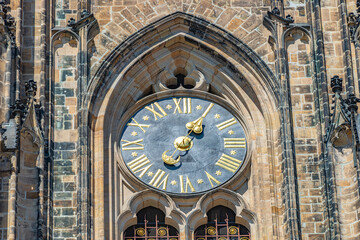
196,125
169,159
183,143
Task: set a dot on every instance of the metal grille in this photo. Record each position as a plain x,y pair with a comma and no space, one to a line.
222,231
151,231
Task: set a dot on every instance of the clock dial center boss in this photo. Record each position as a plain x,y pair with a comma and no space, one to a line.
183,145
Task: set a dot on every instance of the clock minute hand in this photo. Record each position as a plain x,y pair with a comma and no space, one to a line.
196,125
184,143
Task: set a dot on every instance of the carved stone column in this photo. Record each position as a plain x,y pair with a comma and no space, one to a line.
82,28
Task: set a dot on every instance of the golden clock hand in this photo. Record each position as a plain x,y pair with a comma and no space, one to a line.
196,125
174,153
184,143
168,159
183,140
207,110
181,143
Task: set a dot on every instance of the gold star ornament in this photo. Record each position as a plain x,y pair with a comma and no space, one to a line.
145,118
217,116
150,174
134,154
198,107
134,134
173,182
218,172
168,107
200,181
232,152
231,132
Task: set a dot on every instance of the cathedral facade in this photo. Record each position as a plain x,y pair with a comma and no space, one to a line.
179,119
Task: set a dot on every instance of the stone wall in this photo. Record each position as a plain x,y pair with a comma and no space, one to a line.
4,85
306,131
65,136
275,68
119,19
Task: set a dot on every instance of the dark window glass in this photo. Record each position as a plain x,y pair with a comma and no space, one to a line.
220,213
150,214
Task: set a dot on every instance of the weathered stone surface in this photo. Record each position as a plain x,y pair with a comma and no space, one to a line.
87,81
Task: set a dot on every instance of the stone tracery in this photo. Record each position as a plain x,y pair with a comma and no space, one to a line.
137,80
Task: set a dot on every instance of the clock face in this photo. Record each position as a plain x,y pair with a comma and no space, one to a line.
183,145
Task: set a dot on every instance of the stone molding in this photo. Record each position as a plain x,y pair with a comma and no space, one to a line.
195,218
178,18
116,93
195,77
225,197
148,198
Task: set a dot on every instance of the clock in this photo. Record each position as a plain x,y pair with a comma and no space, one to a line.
183,145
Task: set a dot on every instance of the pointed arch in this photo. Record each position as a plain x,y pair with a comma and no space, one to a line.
145,199
221,197
200,32
236,74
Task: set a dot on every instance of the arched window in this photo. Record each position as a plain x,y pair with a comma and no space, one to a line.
221,226
151,226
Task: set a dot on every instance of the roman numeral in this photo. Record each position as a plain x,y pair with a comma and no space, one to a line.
211,179
187,184
159,178
136,124
156,114
228,163
140,164
234,143
137,143
186,105
226,124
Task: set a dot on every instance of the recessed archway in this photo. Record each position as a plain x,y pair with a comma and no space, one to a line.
230,71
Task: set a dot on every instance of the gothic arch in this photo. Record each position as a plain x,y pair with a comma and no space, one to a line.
149,198
233,71
199,29
58,35
295,29
226,198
